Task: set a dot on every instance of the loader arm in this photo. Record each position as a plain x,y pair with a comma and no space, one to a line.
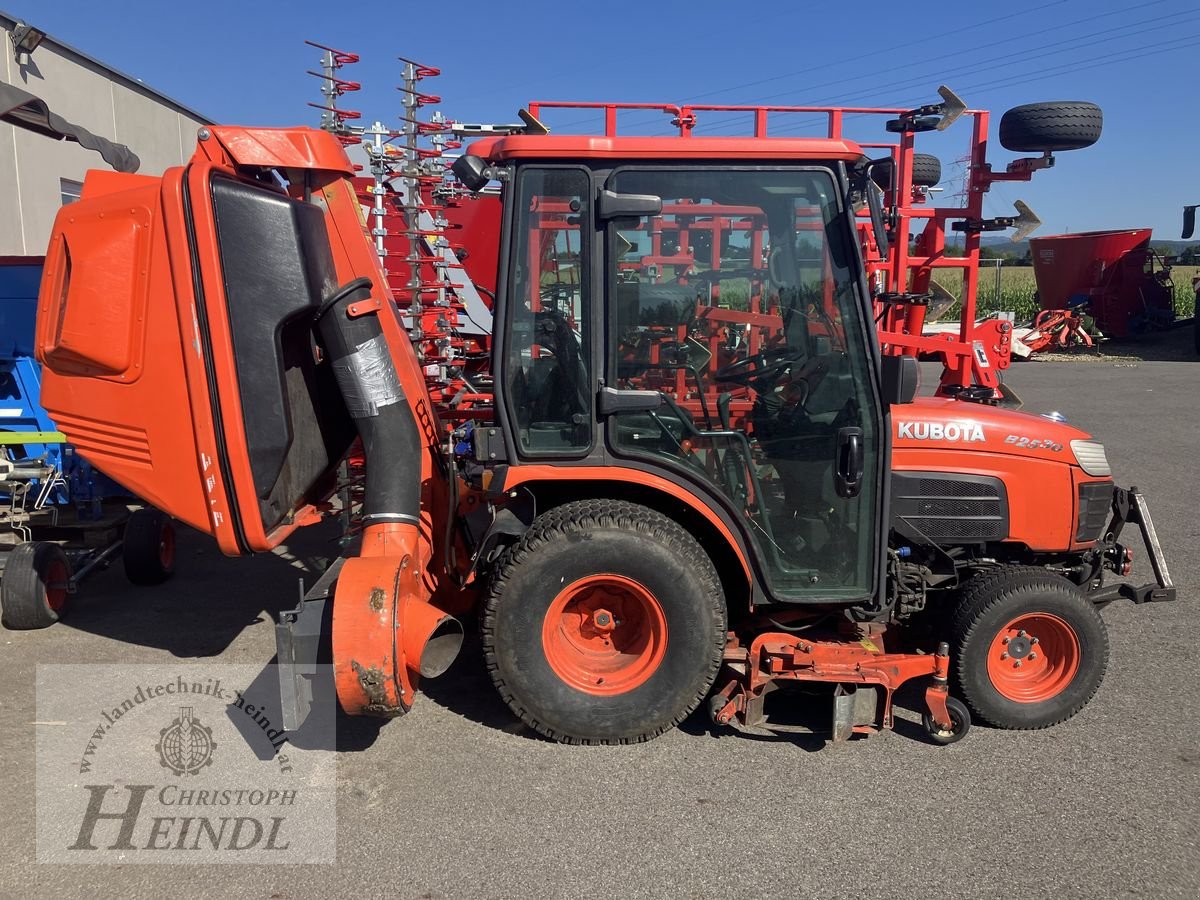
216,338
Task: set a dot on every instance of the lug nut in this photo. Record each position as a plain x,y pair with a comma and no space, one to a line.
1021,634
1006,640
1004,655
1017,664
1033,640
1032,656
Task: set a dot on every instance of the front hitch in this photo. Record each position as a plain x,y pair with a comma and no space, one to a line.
1129,506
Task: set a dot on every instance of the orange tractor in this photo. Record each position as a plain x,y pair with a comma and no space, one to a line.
656,509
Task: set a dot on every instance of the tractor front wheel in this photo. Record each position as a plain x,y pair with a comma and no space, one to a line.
605,624
1029,649
36,585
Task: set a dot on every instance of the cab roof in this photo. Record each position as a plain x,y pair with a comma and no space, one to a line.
571,146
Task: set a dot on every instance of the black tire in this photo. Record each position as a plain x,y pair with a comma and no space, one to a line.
149,547
588,538
927,171
960,723
1196,324
992,600
1062,125
34,592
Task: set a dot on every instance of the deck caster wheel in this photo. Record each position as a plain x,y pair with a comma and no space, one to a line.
960,723
36,585
149,547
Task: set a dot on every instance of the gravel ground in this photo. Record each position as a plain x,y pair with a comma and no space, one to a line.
456,800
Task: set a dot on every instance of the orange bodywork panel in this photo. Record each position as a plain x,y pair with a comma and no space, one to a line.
527,474
150,285
570,146
1032,455
114,373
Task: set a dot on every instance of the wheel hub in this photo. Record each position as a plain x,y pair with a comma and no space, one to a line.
1019,647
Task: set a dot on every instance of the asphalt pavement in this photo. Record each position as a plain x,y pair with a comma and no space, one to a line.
456,800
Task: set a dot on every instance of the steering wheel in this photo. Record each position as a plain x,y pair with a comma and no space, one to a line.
767,364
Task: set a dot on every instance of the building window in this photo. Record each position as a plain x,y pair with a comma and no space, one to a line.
69,190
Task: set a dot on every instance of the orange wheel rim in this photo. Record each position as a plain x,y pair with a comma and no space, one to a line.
1033,658
56,586
604,634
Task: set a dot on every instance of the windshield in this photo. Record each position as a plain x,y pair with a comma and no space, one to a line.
739,303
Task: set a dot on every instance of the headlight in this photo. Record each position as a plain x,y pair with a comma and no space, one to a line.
1091,458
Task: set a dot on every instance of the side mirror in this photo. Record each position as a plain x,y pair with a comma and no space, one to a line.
611,205
610,401
874,197
901,376
472,171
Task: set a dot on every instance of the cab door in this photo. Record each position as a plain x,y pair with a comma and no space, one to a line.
742,304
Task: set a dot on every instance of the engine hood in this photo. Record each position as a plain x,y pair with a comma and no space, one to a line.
938,423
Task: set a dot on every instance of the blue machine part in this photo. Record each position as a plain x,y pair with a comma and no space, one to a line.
21,410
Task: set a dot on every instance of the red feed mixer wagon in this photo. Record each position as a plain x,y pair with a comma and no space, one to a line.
701,470
1124,285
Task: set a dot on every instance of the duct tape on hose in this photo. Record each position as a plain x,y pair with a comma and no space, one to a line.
367,379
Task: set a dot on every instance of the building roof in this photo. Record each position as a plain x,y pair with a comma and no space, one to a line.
9,21
570,146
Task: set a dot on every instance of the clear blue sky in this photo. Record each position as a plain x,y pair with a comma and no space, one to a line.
244,62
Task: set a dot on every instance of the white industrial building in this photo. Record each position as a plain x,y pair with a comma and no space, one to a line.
38,175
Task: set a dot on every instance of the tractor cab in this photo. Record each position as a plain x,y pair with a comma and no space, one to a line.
705,319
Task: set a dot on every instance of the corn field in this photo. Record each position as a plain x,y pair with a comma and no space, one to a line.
1011,289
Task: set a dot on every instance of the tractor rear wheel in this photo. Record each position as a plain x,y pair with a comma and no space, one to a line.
148,551
36,585
605,624
1029,648
1041,127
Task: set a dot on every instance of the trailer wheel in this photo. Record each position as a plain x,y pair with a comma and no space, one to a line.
35,588
927,171
605,624
1029,649
1062,125
149,547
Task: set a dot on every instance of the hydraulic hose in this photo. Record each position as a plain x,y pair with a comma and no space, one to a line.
367,378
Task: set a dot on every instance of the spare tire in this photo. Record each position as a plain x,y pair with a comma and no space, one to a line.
927,171
1061,125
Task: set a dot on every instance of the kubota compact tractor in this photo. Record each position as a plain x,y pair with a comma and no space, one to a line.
696,481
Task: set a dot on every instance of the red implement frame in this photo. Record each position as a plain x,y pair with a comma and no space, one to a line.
979,351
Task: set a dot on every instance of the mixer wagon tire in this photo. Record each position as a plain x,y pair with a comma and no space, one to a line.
605,624
927,171
1063,125
1028,648
36,585
1196,325
149,547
